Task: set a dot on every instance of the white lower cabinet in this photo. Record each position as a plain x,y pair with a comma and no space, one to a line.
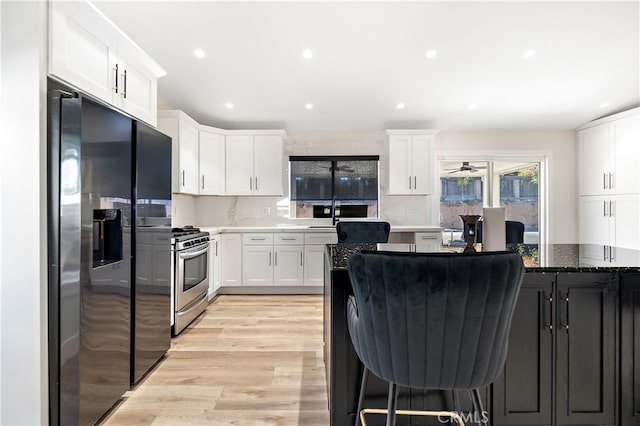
257,265
314,246
215,278
428,242
230,260
269,259
288,265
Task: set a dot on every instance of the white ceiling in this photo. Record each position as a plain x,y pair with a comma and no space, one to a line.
367,57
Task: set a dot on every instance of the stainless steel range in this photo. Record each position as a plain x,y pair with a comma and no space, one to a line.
190,252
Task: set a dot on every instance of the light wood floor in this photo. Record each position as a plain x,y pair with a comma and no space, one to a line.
250,360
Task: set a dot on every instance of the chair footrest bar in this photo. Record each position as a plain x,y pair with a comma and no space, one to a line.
452,414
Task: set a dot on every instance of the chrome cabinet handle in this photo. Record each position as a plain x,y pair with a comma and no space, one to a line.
604,208
409,182
415,183
300,258
611,250
276,259
611,186
183,178
566,311
202,181
612,205
250,183
115,75
124,85
256,182
547,324
269,258
604,181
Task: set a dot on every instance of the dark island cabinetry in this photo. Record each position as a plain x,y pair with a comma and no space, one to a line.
573,357
561,364
630,349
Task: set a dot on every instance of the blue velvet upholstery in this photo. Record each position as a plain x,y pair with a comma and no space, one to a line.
433,320
363,232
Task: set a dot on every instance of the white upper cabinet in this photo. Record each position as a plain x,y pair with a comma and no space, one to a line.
239,165
184,132
254,163
410,162
211,162
609,155
88,51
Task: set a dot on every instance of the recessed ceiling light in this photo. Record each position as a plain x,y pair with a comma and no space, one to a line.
528,53
199,53
431,54
309,106
307,53
228,105
400,105
604,105
473,106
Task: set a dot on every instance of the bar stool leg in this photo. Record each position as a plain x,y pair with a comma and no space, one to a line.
477,406
456,402
393,401
363,390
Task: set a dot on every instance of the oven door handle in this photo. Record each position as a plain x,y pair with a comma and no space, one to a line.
191,253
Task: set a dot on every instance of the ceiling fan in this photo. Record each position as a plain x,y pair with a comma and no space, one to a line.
346,168
466,167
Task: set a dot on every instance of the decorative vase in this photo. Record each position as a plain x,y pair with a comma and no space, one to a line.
469,223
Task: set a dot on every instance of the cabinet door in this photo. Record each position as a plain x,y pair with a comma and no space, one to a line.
428,242
313,264
239,165
523,395
257,265
288,268
594,152
188,158
586,349
267,163
400,173
625,223
594,229
625,137
216,277
630,348
82,49
138,89
421,164
212,158
231,259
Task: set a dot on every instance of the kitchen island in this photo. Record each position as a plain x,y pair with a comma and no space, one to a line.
574,347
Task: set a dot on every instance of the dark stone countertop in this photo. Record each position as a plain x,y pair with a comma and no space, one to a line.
549,258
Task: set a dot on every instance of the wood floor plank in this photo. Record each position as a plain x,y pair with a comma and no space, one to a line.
250,360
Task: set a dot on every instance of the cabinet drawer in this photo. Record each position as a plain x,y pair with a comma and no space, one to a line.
427,237
258,238
288,239
321,238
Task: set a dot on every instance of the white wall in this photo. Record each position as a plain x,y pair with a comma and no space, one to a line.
23,308
559,146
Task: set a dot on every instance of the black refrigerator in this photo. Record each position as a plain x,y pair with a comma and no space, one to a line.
96,340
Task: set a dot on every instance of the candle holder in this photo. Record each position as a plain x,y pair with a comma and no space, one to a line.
469,223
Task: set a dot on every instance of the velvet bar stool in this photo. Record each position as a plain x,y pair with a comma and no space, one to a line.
363,232
514,232
432,321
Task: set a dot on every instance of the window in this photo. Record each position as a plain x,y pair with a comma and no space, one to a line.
325,187
513,183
